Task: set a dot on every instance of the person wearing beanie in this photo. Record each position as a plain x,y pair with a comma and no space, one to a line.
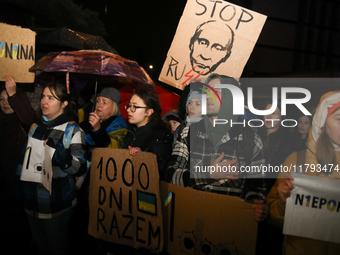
323,147
172,119
194,107
105,128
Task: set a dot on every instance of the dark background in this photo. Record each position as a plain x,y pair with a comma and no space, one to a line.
300,38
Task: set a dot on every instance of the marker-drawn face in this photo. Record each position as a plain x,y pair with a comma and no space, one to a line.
210,46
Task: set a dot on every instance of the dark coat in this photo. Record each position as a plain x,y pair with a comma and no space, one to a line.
152,138
13,137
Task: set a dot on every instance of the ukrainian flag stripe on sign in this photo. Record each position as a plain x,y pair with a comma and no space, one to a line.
146,202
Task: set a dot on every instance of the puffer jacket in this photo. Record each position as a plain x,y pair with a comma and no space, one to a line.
301,245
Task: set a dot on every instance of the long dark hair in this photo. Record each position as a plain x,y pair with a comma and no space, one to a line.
151,100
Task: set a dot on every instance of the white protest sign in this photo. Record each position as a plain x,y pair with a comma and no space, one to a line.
313,209
37,165
212,37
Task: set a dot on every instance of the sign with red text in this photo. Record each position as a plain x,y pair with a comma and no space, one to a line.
199,222
124,199
313,208
17,52
211,37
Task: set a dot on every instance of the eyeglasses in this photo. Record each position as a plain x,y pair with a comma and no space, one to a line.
133,107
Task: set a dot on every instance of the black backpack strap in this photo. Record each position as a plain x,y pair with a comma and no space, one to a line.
301,158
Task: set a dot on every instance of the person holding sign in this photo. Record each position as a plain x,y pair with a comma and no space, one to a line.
148,132
323,148
16,117
202,149
50,210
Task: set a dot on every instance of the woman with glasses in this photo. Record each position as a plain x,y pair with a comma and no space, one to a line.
148,131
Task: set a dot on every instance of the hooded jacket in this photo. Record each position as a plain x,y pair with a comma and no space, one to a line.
301,245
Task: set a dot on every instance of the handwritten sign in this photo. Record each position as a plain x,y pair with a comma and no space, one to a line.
17,52
211,37
37,165
198,222
125,205
313,209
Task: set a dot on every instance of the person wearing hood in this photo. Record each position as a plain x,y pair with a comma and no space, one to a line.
202,145
50,213
323,147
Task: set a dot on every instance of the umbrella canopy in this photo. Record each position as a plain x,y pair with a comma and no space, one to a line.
94,62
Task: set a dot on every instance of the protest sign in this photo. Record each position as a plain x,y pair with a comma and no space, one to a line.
17,52
313,208
37,165
198,222
124,199
211,37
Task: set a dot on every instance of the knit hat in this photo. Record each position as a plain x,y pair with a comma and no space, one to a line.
110,93
172,115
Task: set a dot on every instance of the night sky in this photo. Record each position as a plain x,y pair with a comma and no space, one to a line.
140,30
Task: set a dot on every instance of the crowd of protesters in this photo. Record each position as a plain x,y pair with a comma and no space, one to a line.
44,219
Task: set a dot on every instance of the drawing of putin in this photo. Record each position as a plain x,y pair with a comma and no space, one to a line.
210,46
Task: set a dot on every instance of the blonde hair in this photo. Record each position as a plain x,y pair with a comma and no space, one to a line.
325,153
115,109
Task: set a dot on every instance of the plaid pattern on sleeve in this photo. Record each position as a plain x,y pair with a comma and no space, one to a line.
184,162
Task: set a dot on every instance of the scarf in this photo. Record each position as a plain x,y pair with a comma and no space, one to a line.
216,133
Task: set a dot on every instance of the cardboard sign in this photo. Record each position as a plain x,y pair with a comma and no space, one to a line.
125,205
313,209
17,52
198,222
211,37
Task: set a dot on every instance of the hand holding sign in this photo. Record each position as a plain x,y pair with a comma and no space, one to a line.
261,210
134,150
284,189
11,86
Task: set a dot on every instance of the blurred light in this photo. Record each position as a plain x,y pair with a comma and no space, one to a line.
151,66
105,9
